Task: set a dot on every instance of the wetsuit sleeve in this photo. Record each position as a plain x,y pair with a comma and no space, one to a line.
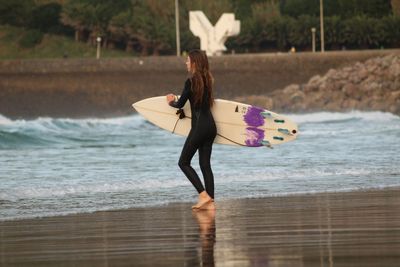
184,96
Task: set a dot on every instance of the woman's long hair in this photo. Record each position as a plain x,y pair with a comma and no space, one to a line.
201,77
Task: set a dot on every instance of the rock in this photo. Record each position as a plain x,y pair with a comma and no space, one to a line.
395,95
314,80
350,104
347,69
394,70
291,89
372,68
297,97
268,103
308,88
355,78
395,109
385,64
377,105
350,90
363,74
372,85
331,73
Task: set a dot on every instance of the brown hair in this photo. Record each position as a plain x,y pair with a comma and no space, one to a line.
201,77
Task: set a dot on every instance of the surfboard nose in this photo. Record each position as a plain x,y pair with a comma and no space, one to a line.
140,103
137,103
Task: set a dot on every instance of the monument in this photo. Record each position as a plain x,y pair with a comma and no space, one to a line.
213,38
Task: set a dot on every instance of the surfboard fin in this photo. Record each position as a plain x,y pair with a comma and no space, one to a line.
266,143
284,131
266,114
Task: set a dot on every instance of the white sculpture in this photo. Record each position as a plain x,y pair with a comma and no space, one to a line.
212,39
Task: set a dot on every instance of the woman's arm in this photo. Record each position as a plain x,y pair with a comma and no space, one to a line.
182,99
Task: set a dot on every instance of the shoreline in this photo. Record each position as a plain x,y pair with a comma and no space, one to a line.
356,228
191,202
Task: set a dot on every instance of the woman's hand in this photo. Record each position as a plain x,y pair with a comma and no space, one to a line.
170,98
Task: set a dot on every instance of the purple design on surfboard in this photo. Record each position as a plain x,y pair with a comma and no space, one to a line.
254,136
254,119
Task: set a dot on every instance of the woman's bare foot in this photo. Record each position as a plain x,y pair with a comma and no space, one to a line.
204,201
208,206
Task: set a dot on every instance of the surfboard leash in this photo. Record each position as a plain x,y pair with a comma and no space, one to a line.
182,115
230,140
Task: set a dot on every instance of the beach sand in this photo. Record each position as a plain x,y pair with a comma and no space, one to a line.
359,228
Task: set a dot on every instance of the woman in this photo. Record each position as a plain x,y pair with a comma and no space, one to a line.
199,91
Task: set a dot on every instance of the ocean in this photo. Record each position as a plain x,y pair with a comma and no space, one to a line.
51,167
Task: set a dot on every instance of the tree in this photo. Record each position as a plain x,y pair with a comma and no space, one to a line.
390,31
362,32
46,17
92,15
16,13
212,9
149,23
351,8
296,8
73,15
256,25
118,28
333,32
278,31
300,32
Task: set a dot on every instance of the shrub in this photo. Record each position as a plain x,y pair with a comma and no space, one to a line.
362,32
300,32
278,30
31,38
333,32
390,31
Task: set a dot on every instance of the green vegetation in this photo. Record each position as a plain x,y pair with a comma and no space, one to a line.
51,46
130,27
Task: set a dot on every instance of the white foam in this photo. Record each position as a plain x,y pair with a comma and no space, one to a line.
339,116
47,124
64,189
44,124
4,120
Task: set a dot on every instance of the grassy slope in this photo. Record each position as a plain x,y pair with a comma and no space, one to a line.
51,46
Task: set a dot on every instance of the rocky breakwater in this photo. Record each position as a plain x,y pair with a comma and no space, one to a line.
372,85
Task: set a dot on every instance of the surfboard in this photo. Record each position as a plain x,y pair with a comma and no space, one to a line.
237,123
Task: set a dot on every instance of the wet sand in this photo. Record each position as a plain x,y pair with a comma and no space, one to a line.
329,229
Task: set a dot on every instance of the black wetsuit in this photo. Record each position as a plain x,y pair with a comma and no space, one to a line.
201,137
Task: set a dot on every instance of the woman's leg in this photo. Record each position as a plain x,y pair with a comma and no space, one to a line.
188,151
205,166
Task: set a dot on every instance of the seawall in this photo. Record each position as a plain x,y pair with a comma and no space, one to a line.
108,87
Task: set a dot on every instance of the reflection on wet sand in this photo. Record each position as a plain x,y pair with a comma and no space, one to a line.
331,229
206,221
324,222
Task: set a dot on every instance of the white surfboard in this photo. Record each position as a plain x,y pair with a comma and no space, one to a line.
237,123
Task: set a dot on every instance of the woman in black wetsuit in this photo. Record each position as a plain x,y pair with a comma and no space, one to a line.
199,91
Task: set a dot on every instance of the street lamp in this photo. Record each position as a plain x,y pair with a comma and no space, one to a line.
178,41
313,30
98,39
321,17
